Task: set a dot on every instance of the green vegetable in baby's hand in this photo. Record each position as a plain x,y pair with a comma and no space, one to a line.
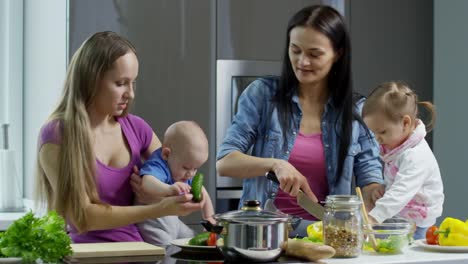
197,185
32,238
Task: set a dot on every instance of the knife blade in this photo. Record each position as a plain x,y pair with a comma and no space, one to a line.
305,202
310,206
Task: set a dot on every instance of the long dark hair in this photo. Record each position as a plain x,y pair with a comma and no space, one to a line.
329,22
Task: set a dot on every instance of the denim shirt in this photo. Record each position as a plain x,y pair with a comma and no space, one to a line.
256,125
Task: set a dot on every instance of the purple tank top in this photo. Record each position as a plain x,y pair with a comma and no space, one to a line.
113,183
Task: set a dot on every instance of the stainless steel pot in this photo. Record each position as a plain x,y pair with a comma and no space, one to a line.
252,234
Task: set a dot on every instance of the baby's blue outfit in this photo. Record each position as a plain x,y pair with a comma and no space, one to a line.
162,230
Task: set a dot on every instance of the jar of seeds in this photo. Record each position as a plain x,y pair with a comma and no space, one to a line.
342,228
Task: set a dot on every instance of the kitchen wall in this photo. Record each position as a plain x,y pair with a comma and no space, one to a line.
45,62
11,76
450,96
393,40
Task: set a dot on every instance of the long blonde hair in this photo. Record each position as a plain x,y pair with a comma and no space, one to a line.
77,161
395,99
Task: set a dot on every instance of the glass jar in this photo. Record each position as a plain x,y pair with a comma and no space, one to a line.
342,225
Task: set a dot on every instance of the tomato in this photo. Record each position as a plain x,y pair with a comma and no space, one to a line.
211,239
431,237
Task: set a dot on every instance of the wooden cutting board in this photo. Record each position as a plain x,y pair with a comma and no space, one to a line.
115,249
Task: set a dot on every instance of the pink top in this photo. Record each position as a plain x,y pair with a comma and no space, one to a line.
308,157
113,183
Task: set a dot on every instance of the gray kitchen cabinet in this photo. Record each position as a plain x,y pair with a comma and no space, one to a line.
256,30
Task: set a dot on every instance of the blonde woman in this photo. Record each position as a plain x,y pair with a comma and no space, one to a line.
90,146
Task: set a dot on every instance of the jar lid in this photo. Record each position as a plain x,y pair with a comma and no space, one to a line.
343,201
251,213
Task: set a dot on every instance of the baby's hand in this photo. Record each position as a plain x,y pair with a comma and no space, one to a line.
179,188
377,193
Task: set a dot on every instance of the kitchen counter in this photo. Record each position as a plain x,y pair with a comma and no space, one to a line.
413,255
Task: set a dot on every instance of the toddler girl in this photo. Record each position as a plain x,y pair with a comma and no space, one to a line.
413,185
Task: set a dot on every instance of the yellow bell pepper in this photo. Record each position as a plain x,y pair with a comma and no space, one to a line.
453,232
315,231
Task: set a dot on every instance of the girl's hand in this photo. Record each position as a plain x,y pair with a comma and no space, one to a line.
291,180
179,188
377,193
367,192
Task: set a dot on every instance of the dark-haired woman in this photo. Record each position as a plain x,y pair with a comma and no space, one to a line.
305,125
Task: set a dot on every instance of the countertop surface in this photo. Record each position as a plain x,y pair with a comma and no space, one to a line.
413,255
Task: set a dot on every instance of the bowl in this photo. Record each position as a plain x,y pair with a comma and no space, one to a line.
391,236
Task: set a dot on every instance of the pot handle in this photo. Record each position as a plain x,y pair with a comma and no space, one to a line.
211,228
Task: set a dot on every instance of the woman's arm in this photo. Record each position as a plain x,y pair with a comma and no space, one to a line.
107,217
237,164
253,109
240,165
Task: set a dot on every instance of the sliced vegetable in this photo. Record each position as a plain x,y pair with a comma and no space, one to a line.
197,184
391,245
310,239
200,239
432,238
315,231
211,239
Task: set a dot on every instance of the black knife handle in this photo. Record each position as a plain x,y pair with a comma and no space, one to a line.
211,228
272,177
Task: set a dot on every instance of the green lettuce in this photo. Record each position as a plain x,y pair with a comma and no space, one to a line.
33,238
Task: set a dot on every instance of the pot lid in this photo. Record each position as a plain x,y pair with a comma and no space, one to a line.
251,213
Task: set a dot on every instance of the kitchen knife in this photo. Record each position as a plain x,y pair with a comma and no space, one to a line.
305,202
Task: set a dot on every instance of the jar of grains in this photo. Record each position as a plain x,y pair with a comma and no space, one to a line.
342,227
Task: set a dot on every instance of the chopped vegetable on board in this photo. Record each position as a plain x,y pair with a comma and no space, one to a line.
315,231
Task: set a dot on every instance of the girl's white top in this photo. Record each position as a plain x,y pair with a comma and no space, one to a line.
414,188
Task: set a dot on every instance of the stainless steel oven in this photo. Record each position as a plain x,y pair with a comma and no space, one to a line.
232,77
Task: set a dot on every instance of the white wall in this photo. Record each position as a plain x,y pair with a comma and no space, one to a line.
450,97
45,61
11,80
